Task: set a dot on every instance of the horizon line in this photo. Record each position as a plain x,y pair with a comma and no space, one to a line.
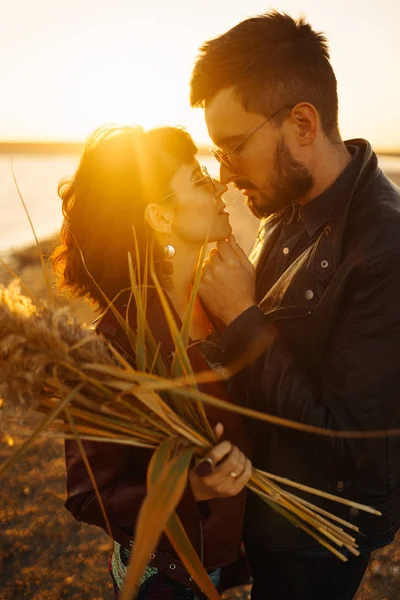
76,146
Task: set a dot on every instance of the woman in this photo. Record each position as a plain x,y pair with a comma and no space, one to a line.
151,182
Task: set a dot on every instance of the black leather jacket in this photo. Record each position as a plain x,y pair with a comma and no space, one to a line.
332,360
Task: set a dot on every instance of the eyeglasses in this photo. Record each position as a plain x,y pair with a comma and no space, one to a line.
203,180
225,158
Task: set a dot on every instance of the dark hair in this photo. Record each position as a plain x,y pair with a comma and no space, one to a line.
272,61
121,171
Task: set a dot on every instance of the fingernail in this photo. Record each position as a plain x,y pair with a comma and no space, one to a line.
204,468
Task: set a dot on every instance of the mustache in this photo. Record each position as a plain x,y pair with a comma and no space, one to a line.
245,184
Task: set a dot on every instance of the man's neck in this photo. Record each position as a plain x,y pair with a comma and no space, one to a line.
329,164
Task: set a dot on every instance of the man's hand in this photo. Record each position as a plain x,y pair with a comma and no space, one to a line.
223,471
227,286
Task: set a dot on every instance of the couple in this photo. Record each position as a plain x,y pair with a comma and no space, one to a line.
321,293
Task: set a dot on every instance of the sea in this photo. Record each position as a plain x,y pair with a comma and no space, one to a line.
38,177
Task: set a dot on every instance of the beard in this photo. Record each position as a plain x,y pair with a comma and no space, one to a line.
291,181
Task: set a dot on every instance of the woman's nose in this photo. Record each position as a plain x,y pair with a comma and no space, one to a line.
221,187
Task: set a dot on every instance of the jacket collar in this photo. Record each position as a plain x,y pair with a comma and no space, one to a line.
327,252
316,213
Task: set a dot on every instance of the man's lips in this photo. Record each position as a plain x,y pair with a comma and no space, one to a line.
248,192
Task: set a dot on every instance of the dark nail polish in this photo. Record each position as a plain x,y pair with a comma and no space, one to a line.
204,468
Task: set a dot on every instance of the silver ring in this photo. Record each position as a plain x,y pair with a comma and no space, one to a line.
233,474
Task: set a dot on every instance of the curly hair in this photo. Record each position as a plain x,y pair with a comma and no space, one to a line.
121,171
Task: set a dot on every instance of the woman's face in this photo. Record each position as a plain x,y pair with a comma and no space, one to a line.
198,209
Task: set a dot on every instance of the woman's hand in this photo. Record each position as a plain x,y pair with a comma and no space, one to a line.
223,471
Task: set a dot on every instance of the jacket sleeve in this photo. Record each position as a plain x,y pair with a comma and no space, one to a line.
120,474
359,381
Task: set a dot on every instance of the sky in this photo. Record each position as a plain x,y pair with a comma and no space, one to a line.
69,66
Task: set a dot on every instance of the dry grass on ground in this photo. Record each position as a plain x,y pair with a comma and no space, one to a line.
46,555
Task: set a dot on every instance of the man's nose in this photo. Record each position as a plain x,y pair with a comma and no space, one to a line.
226,175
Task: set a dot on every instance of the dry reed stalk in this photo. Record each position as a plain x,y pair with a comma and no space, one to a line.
52,364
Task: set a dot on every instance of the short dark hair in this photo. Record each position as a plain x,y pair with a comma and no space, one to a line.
272,61
121,171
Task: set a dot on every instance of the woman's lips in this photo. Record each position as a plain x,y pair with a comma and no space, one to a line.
223,212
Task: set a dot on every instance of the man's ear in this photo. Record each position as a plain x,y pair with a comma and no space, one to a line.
159,218
307,121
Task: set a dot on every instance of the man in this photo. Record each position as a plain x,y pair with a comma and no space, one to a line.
325,303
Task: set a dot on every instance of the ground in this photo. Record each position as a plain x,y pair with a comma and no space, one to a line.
46,555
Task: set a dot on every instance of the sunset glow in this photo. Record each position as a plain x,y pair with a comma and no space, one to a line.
69,67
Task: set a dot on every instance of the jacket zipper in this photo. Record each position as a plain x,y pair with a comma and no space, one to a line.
340,471
201,543
287,317
294,311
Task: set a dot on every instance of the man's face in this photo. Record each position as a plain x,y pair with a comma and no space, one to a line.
267,173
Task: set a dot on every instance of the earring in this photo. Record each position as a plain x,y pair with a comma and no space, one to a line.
169,251
167,268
